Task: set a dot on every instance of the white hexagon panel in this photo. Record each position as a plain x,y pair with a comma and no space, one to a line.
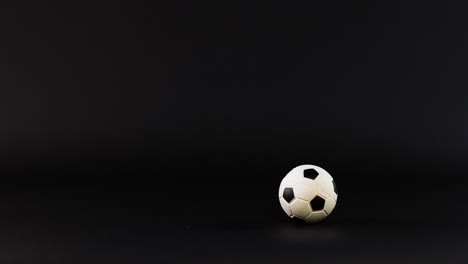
308,192
300,208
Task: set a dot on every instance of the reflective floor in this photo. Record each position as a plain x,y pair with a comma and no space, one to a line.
42,236
122,218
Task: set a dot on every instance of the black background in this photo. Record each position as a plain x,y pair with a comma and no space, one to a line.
160,131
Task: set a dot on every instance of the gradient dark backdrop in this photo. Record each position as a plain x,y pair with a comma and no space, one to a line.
159,132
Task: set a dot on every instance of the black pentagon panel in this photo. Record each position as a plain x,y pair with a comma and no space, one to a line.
288,194
318,203
334,187
310,174
298,220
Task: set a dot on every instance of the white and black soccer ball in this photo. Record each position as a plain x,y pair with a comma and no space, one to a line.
308,192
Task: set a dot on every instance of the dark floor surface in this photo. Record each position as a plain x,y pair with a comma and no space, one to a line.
79,211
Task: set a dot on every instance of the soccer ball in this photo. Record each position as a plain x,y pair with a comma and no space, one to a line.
309,193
